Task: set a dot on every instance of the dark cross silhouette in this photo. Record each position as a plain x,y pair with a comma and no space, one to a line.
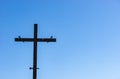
35,40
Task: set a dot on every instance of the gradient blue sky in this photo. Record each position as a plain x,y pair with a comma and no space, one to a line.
87,32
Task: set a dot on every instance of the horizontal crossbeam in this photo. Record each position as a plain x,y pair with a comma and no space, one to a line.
38,39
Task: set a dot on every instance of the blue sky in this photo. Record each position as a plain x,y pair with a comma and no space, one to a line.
87,32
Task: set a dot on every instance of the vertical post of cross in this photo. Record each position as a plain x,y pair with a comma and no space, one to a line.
35,53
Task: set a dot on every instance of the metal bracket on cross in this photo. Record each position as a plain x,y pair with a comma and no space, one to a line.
33,68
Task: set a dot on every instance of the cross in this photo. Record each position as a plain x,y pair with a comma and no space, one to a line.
35,40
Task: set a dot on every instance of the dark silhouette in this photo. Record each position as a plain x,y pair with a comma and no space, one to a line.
35,40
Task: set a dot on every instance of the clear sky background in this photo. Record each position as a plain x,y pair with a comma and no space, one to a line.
87,32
